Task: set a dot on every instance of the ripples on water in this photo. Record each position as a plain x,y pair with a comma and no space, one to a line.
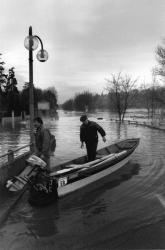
107,216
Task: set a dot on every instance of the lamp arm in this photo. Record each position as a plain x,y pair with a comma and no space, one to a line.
40,41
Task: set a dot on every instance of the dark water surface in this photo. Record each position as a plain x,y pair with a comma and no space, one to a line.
126,212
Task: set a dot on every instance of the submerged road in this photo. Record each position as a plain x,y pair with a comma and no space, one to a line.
126,212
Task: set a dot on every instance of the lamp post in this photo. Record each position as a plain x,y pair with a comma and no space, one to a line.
31,43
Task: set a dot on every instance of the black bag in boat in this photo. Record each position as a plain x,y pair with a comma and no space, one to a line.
43,190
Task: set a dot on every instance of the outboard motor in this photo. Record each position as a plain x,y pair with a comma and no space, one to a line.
43,188
36,161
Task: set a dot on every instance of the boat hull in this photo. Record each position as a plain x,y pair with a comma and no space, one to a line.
72,187
76,174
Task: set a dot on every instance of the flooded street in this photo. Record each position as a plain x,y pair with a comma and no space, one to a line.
125,212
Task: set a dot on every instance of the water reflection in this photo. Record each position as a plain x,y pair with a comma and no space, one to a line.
42,222
118,130
93,192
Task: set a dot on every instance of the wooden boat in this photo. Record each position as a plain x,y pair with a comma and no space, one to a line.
78,173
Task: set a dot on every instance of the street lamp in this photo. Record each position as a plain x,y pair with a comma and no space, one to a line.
31,43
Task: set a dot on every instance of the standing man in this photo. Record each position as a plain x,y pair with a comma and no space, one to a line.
42,141
89,135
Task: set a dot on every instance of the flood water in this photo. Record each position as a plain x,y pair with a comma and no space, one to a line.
126,212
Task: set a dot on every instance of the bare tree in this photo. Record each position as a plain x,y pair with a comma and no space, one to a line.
3,77
160,57
149,99
119,88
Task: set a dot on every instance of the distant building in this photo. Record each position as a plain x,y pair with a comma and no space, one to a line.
43,108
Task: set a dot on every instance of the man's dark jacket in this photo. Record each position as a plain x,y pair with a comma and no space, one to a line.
42,139
88,133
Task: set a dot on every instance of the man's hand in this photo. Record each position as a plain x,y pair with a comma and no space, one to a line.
104,139
82,145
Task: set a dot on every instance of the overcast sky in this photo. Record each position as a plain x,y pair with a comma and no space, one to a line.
87,40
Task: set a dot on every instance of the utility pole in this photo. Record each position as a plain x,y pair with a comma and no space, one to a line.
31,89
31,43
